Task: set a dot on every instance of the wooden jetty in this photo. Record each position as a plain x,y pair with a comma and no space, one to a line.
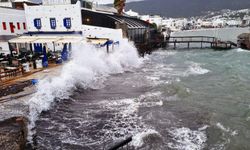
213,42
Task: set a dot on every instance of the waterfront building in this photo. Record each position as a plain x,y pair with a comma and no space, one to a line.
73,21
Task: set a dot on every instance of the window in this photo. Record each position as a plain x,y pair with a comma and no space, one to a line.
12,27
18,26
67,23
38,23
24,26
53,23
4,26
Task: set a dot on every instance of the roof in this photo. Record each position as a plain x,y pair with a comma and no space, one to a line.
25,1
6,38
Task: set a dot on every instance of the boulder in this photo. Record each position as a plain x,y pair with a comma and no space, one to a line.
13,133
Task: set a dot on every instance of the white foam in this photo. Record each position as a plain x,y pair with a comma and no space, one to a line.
242,50
138,139
196,69
225,129
87,66
150,99
186,139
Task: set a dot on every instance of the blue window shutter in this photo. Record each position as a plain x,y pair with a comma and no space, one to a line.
67,23
38,23
53,23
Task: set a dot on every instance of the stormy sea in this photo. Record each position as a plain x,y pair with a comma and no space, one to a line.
182,100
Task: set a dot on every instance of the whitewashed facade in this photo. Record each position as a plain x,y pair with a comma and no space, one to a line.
58,12
12,23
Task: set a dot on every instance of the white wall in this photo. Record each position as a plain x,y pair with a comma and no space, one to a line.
8,15
5,47
53,2
6,4
54,11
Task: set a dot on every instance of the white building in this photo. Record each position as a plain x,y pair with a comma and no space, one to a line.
217,23
246,21
175,24
153,19
234,23
62,17
132,13
12,23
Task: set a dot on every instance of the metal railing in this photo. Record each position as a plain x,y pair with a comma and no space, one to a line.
7,74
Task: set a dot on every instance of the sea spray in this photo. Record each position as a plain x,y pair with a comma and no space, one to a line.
87,65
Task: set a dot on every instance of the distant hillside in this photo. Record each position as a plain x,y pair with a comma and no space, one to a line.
185,8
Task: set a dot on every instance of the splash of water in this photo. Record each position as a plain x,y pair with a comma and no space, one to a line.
87,66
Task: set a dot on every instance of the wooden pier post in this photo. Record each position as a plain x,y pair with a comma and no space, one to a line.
188,45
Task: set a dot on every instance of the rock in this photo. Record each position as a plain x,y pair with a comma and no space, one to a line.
13,133
14,88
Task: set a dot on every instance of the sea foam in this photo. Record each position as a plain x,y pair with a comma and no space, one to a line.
87,65
187,139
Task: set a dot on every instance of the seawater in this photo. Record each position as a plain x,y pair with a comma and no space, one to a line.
185,100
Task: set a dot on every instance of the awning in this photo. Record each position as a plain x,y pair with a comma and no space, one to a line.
70,39
23,39
47,39
6,38
97,40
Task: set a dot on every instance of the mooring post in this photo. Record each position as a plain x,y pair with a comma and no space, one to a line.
107,48
175,44
188,45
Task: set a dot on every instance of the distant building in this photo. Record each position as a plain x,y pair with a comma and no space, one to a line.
219,23
153,19
132,13
207,24
246,21
234,23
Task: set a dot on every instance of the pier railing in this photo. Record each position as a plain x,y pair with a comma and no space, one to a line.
8,73
204,41
192,39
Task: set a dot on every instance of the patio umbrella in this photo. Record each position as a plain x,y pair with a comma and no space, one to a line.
64,53
45,58
70,49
